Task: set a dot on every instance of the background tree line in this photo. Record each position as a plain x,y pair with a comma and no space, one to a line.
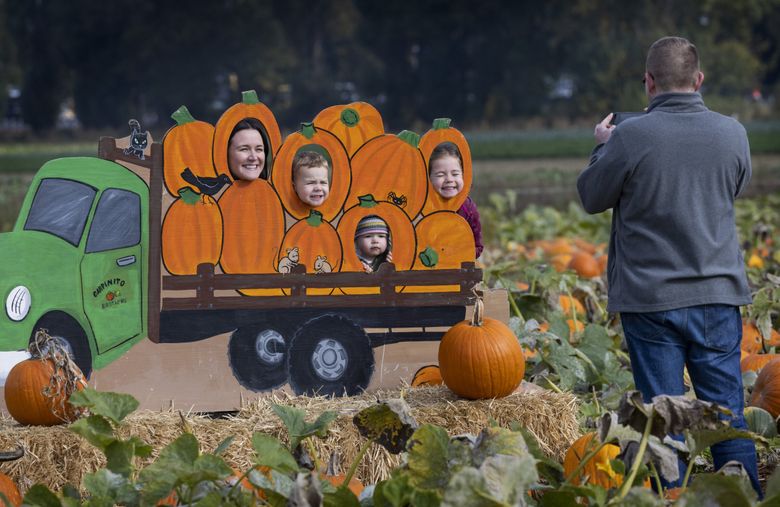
488,64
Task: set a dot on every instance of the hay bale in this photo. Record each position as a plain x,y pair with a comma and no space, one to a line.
55,456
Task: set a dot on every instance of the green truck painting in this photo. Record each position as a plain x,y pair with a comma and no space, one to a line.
83,262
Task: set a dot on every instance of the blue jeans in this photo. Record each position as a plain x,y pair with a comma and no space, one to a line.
707,340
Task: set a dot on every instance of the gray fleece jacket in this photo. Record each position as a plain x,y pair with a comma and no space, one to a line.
671,177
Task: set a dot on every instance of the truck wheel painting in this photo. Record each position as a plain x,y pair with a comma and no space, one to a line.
138,295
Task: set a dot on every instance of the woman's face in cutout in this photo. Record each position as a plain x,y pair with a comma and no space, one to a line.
246,154
447,176
372,245
311,185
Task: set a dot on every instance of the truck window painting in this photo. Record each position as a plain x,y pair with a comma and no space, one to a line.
175,294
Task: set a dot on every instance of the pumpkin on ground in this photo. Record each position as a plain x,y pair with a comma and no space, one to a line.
481,358
11,491
315,244
444,241
585,265
340,174
253,231
442,132
37,390
249,107
333,476
766,390
191,233
760,421
569,303
354,124
752,341
598,469
186,146
429,375
391,168
754,362
7,486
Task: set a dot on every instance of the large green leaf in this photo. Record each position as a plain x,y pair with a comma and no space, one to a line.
393,492
114,488
96,429
508,477
294,420
563,359
550,469
40,496
468,487
342,497
427,458
496,440
639,497
271,453
595,344
114,406
119,457
700,439
389,423
717,489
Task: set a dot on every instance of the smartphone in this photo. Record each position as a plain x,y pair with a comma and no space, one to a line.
618,117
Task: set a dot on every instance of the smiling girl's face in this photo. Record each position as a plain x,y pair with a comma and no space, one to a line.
447,176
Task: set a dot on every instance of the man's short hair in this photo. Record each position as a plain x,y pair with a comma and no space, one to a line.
673,62
305,159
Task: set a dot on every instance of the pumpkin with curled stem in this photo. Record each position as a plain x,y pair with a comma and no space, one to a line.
481,358
37,389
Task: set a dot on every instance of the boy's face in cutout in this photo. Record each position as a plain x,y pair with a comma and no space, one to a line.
246,154
311,185
447,176
372,245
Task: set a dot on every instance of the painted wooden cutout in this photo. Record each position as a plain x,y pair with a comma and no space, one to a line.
353,123
391,168
253,230
249,107
187,151
442,132
150,265
340,174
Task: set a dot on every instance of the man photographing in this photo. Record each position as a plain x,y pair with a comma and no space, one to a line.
675,272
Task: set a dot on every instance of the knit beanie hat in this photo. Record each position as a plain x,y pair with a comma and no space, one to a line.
371,224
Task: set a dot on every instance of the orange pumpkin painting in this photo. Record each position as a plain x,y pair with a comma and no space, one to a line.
249,107
442,132
253,231
444,241
191,233
187,146
391,168
402,236
353,123
340,174
313,243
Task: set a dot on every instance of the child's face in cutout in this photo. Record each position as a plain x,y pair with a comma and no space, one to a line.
311,185
447,176
372,245
246,154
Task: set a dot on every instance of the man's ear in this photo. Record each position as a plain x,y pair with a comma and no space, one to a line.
699,81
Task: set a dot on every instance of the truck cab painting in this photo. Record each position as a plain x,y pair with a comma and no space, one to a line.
76,261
